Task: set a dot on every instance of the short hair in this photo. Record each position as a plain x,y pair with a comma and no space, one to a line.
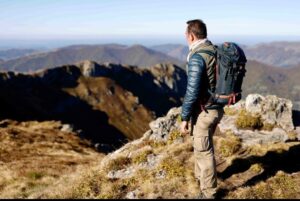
197,27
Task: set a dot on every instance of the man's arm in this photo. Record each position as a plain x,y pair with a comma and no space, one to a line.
196,68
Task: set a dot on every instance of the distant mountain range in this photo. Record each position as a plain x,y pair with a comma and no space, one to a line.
15,53
261,77
266,79
277,54
132,55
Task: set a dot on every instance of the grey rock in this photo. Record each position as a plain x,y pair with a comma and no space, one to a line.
162,126
132,194
273,110
121,174
66,128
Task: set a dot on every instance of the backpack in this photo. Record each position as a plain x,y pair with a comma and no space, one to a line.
230,71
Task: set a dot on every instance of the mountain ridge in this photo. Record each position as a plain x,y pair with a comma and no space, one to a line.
132,55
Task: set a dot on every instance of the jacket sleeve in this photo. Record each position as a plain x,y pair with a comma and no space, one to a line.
196,69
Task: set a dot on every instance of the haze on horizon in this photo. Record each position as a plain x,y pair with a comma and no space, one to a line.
64,22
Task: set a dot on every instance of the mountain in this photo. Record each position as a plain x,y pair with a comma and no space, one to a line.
131,55
277,54
15,53
177,51
266,79
35,155
251,162
106,103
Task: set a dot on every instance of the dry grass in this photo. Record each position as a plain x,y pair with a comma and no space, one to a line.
40,154
246,120
229,145
281,186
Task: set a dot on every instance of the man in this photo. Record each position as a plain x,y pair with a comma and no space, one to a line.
201,71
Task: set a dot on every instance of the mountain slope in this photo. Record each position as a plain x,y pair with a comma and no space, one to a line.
279,54
108,103
251,163
174,50
265,79
133,55
35,155
15,53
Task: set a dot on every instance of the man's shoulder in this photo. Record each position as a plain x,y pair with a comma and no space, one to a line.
196,60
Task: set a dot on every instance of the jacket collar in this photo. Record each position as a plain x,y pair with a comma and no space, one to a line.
195,45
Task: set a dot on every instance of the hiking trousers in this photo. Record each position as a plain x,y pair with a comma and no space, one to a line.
203,127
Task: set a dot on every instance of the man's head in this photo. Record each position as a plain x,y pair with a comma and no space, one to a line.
196,29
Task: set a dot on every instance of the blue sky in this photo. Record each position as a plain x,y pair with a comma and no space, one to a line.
42,19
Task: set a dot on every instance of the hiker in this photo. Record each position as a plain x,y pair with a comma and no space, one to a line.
201,71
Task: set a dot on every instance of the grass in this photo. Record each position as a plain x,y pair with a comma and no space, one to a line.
229,145
230,111
172,167
173,136
281,186
142,157
118,163
35,175
246,120
256,168
268,126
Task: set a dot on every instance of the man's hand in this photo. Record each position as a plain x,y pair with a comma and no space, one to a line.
184,127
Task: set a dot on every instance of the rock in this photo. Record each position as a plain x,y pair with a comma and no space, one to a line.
67,128
121,174
162,126
273,110
132,194
298,132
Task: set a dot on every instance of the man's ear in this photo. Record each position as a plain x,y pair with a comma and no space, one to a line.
192,37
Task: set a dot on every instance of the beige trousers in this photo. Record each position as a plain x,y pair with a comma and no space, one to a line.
203,128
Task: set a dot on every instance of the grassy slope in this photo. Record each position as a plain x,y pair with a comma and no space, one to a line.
36,156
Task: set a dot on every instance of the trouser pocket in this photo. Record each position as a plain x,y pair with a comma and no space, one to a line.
202,143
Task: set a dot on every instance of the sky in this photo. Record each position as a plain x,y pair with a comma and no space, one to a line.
110,20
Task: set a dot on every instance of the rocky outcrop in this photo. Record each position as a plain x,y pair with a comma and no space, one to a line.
273,114
273,110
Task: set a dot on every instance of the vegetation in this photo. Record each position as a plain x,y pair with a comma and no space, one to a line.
282,186
229,145
118,163
174,135
142,157
246,120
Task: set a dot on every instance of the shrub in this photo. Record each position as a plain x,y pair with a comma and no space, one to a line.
142,157
229,145
172,167
174,134
246,120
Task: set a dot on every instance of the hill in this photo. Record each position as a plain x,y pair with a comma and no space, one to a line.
131,55
277,54
252,162
108,104
265,79
174,50
35,155
15,53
